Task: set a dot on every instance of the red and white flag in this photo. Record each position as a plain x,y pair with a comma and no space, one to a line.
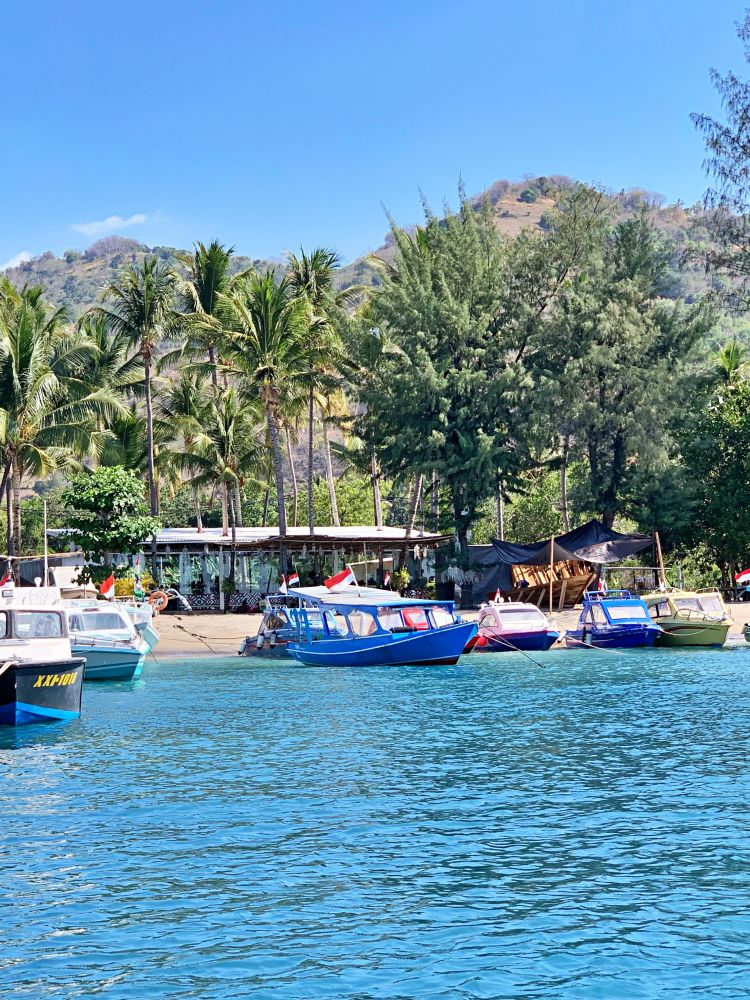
496,598
282,585
387,579
342,579
107,589
743,577
602,586
7,580
293,579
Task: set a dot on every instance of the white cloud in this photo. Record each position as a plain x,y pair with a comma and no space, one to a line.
111,224
20,257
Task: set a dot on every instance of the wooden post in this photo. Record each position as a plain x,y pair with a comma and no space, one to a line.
660,560
551,569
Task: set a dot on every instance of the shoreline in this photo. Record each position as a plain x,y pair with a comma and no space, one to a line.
221,635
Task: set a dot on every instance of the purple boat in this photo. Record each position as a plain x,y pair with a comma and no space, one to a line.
504,628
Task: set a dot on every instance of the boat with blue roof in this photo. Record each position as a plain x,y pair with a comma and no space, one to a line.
613,619
358,626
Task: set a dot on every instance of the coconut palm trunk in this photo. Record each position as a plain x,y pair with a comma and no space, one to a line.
153,496
224,510
376,499
238,506
412,517
435,501
329,476
198,512
278,468
293,471
16,479
310,450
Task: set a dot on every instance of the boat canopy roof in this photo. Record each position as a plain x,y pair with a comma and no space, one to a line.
360,597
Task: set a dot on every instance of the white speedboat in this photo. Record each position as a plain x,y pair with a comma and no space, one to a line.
103,633
40,678
141,614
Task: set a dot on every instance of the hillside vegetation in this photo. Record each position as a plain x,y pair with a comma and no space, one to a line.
77,278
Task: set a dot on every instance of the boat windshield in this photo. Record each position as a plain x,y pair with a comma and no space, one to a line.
627,612
362,622
521,617
97,621
40,624
441,616
709,604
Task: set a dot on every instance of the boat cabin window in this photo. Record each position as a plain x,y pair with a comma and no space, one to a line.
598,616
362,622
3,625
38,624
415,618
486,621
441,617
97,620
390,619
522,617
709,604
660,610
627,612
336,623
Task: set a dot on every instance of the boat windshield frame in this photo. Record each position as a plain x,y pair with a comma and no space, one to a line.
338,618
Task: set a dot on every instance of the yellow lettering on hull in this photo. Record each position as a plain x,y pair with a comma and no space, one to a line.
55,680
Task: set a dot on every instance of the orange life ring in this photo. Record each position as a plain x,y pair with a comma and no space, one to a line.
158,600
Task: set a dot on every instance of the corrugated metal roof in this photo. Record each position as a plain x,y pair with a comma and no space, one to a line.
256,536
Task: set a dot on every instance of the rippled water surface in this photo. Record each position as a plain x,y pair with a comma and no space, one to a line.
493,829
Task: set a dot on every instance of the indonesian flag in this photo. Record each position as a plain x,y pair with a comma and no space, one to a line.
7,580
496,598
282,585
342,579
293,579
602,586
743,577
107,589
387,579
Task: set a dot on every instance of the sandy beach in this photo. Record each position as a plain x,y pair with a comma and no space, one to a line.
221,635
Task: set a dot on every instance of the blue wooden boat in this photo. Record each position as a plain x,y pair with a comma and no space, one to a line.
368,627
613,620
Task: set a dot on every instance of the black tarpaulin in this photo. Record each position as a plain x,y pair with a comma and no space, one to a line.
592,542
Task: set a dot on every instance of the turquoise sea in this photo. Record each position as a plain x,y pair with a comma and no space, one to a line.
494,829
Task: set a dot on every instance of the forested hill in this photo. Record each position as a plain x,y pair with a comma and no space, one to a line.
76,279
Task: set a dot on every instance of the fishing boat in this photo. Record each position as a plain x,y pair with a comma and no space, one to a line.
689,617
103,633
366,626
504,628
613,620
40,679
277,629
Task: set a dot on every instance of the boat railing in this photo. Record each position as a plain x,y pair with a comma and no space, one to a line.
86,640
607,595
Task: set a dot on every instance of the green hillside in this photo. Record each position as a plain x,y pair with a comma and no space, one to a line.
76,279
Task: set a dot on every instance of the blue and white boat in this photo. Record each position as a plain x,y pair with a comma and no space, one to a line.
141,614
103,633
369,627
613,620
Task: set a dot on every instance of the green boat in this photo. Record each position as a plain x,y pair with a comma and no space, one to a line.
689,617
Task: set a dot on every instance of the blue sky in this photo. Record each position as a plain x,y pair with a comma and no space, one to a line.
270,125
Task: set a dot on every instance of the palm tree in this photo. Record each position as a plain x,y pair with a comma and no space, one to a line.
48,409
208,278
142,310
183,411
226,451
730,360
312,277
269,351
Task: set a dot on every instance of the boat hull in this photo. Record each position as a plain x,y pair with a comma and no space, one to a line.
630,638
434,647
509,642
41,692
676,632
105,664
